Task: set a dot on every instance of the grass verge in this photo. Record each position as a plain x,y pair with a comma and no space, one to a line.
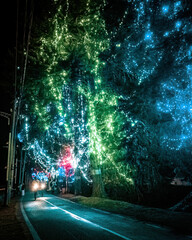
178,221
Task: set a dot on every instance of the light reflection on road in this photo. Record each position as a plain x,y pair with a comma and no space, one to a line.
51,214
89,222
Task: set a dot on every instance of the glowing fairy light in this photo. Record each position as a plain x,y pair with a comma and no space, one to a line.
178,25
86,112
165,9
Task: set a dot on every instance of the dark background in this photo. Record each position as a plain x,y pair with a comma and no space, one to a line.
8,12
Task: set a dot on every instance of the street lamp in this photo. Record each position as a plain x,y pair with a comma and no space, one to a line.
6,115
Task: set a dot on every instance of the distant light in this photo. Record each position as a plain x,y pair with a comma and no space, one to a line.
48,109
148,35
83,139
20,137
178,25
165,9
189,71
166,34
80,152
177,4
189,67
60,123
190,52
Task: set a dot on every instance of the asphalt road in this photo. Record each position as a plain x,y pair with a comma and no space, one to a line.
51,217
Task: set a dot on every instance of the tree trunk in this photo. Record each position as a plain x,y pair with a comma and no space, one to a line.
98,187
78,190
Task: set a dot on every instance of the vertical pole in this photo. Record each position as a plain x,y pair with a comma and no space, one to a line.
15,177
20,171
12,133
7,190
23,171
12,150
66,184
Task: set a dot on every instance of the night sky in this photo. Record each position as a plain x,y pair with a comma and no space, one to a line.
8,16
7,21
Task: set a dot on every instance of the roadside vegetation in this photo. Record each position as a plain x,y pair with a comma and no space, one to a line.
178,221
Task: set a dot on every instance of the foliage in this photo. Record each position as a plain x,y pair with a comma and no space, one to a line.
94,79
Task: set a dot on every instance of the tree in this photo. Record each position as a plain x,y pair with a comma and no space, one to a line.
74,38
99,68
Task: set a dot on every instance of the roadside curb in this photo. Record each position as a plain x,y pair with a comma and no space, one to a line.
22,221
33,232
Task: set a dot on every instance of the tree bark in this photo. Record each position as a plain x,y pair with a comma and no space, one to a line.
78,190
98,187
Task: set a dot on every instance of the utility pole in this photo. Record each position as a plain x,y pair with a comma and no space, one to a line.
23,171
8,176
21,163
11,152
13,144
7,193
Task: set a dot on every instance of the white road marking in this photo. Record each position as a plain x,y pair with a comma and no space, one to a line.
87,221
155,226
30,226
102,211
64,199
